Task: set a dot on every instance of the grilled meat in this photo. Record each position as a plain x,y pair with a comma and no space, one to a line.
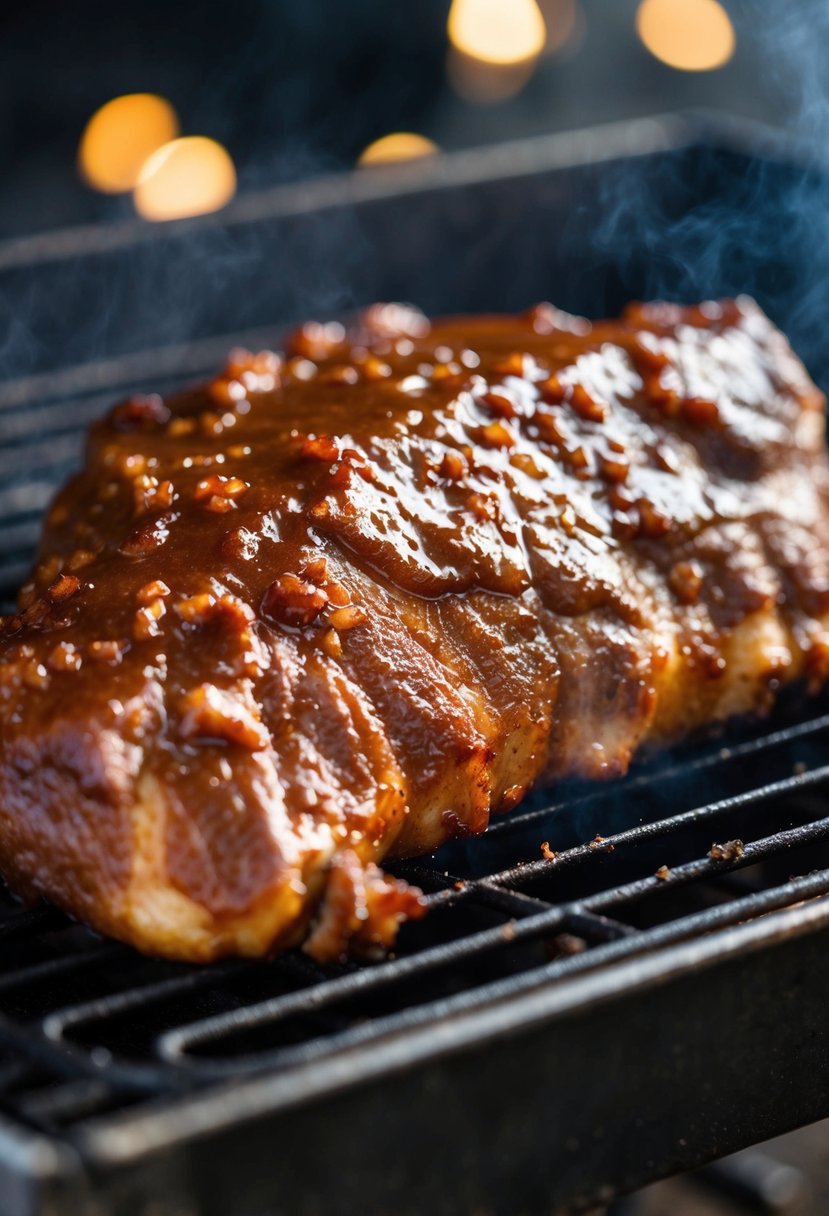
344,603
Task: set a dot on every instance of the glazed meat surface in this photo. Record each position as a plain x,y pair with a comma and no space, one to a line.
344,603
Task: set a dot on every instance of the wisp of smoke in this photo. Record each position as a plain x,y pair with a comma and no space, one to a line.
721,223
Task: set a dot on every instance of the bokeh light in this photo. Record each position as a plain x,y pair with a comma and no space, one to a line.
189,176
497,31
494,46
485,83
690,35
120,136
398,146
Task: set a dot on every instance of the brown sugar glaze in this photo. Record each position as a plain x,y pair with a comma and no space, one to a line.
348,601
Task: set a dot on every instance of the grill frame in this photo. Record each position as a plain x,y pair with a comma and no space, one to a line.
500,1101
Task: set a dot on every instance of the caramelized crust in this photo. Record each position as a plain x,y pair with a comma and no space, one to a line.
346,602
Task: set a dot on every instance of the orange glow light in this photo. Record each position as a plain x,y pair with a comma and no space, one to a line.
486,83
400,145
690,35
497,31
120,136
189,176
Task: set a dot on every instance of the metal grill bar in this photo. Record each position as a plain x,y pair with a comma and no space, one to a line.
175,1044
668,827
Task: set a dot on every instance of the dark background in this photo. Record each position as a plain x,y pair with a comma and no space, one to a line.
294,89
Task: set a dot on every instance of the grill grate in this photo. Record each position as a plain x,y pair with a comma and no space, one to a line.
89,1027
91,1033
571,1027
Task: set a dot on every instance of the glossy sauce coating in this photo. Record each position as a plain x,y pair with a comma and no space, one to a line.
347,601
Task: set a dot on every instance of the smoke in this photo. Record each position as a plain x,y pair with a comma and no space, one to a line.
751,217
704,221
294,91
72,297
